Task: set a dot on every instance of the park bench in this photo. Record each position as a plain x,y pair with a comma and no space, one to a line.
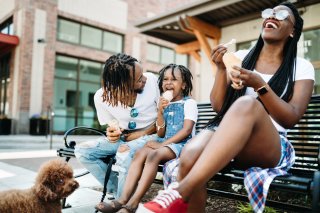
304,176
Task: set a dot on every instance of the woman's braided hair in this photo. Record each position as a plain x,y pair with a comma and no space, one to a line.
282,82
117,83
185,74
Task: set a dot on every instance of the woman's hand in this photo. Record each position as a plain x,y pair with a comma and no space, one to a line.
241,77
113,134
217,54
153,145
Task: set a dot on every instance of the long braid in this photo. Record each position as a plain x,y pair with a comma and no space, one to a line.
185,74
116,81
285,73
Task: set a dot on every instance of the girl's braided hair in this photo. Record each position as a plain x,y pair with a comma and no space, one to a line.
282,82
117,84
186,77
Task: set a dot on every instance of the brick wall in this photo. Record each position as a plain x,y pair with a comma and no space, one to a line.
137,10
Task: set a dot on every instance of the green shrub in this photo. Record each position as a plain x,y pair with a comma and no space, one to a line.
246,208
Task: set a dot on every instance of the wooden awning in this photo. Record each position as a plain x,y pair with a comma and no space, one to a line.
7,43
195,25
219,13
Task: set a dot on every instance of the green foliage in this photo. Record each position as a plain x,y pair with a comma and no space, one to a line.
246,208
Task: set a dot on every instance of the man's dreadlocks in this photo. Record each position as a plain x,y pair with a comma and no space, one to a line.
116,81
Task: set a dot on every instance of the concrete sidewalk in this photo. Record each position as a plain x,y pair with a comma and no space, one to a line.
20,158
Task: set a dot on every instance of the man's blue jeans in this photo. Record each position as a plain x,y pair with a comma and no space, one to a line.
90,153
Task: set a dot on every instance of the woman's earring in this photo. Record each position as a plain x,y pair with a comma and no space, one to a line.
291,35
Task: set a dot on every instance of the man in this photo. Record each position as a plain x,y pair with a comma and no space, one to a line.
130,98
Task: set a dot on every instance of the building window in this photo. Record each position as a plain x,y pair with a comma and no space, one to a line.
68,31
76,81
165,55
311,44
246,45
309,49
7,27
73,32
112,42
91,37
153,53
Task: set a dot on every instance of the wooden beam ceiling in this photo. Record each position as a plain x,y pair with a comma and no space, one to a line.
203,32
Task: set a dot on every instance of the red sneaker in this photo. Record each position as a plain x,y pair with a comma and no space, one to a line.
167,201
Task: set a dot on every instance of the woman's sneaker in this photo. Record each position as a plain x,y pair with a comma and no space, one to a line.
167,201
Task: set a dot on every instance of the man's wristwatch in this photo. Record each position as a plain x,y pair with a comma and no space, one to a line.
262,90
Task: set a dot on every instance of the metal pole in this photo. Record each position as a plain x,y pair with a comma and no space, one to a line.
51,127
48,121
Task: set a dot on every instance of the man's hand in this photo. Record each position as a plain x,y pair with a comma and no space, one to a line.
113,134
132,136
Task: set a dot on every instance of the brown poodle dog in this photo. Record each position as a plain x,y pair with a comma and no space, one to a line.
54,182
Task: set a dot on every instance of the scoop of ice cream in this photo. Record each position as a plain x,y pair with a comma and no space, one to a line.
232,41
230,59
114,123
168,95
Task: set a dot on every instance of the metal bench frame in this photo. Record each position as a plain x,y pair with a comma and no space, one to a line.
305,174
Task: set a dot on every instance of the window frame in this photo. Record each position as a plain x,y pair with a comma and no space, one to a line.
160,55
90,26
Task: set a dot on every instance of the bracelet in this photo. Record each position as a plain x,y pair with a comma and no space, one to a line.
160,127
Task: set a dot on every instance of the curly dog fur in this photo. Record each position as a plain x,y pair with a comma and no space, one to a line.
54,182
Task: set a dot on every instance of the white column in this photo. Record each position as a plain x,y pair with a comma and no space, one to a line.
136,46
16,71
38,55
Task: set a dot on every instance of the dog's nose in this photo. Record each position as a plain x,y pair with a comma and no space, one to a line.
75,184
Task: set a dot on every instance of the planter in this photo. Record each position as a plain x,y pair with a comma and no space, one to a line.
5,126
39,126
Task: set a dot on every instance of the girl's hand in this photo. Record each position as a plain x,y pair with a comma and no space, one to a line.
241,77
163,103
217,54
153,145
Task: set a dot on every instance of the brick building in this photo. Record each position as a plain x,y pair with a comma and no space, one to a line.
52,51
59,50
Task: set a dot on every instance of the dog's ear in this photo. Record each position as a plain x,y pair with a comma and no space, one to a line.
45,193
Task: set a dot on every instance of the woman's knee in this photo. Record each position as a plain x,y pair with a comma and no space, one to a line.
190,152
246,105
188,157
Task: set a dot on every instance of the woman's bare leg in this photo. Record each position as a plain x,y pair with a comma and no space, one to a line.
134,174
244,133
149,173
189,156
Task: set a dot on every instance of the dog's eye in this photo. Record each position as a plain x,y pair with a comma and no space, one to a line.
60,181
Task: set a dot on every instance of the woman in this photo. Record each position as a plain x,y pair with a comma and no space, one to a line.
272,91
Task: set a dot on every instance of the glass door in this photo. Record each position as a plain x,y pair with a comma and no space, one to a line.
4,84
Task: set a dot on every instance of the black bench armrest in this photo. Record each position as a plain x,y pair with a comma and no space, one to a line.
72,144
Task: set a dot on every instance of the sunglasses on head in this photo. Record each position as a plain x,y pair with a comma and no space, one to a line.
279,14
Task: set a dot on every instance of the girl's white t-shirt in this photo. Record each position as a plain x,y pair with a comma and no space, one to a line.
146,105
304,70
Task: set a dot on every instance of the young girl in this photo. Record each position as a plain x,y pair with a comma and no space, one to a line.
175,126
